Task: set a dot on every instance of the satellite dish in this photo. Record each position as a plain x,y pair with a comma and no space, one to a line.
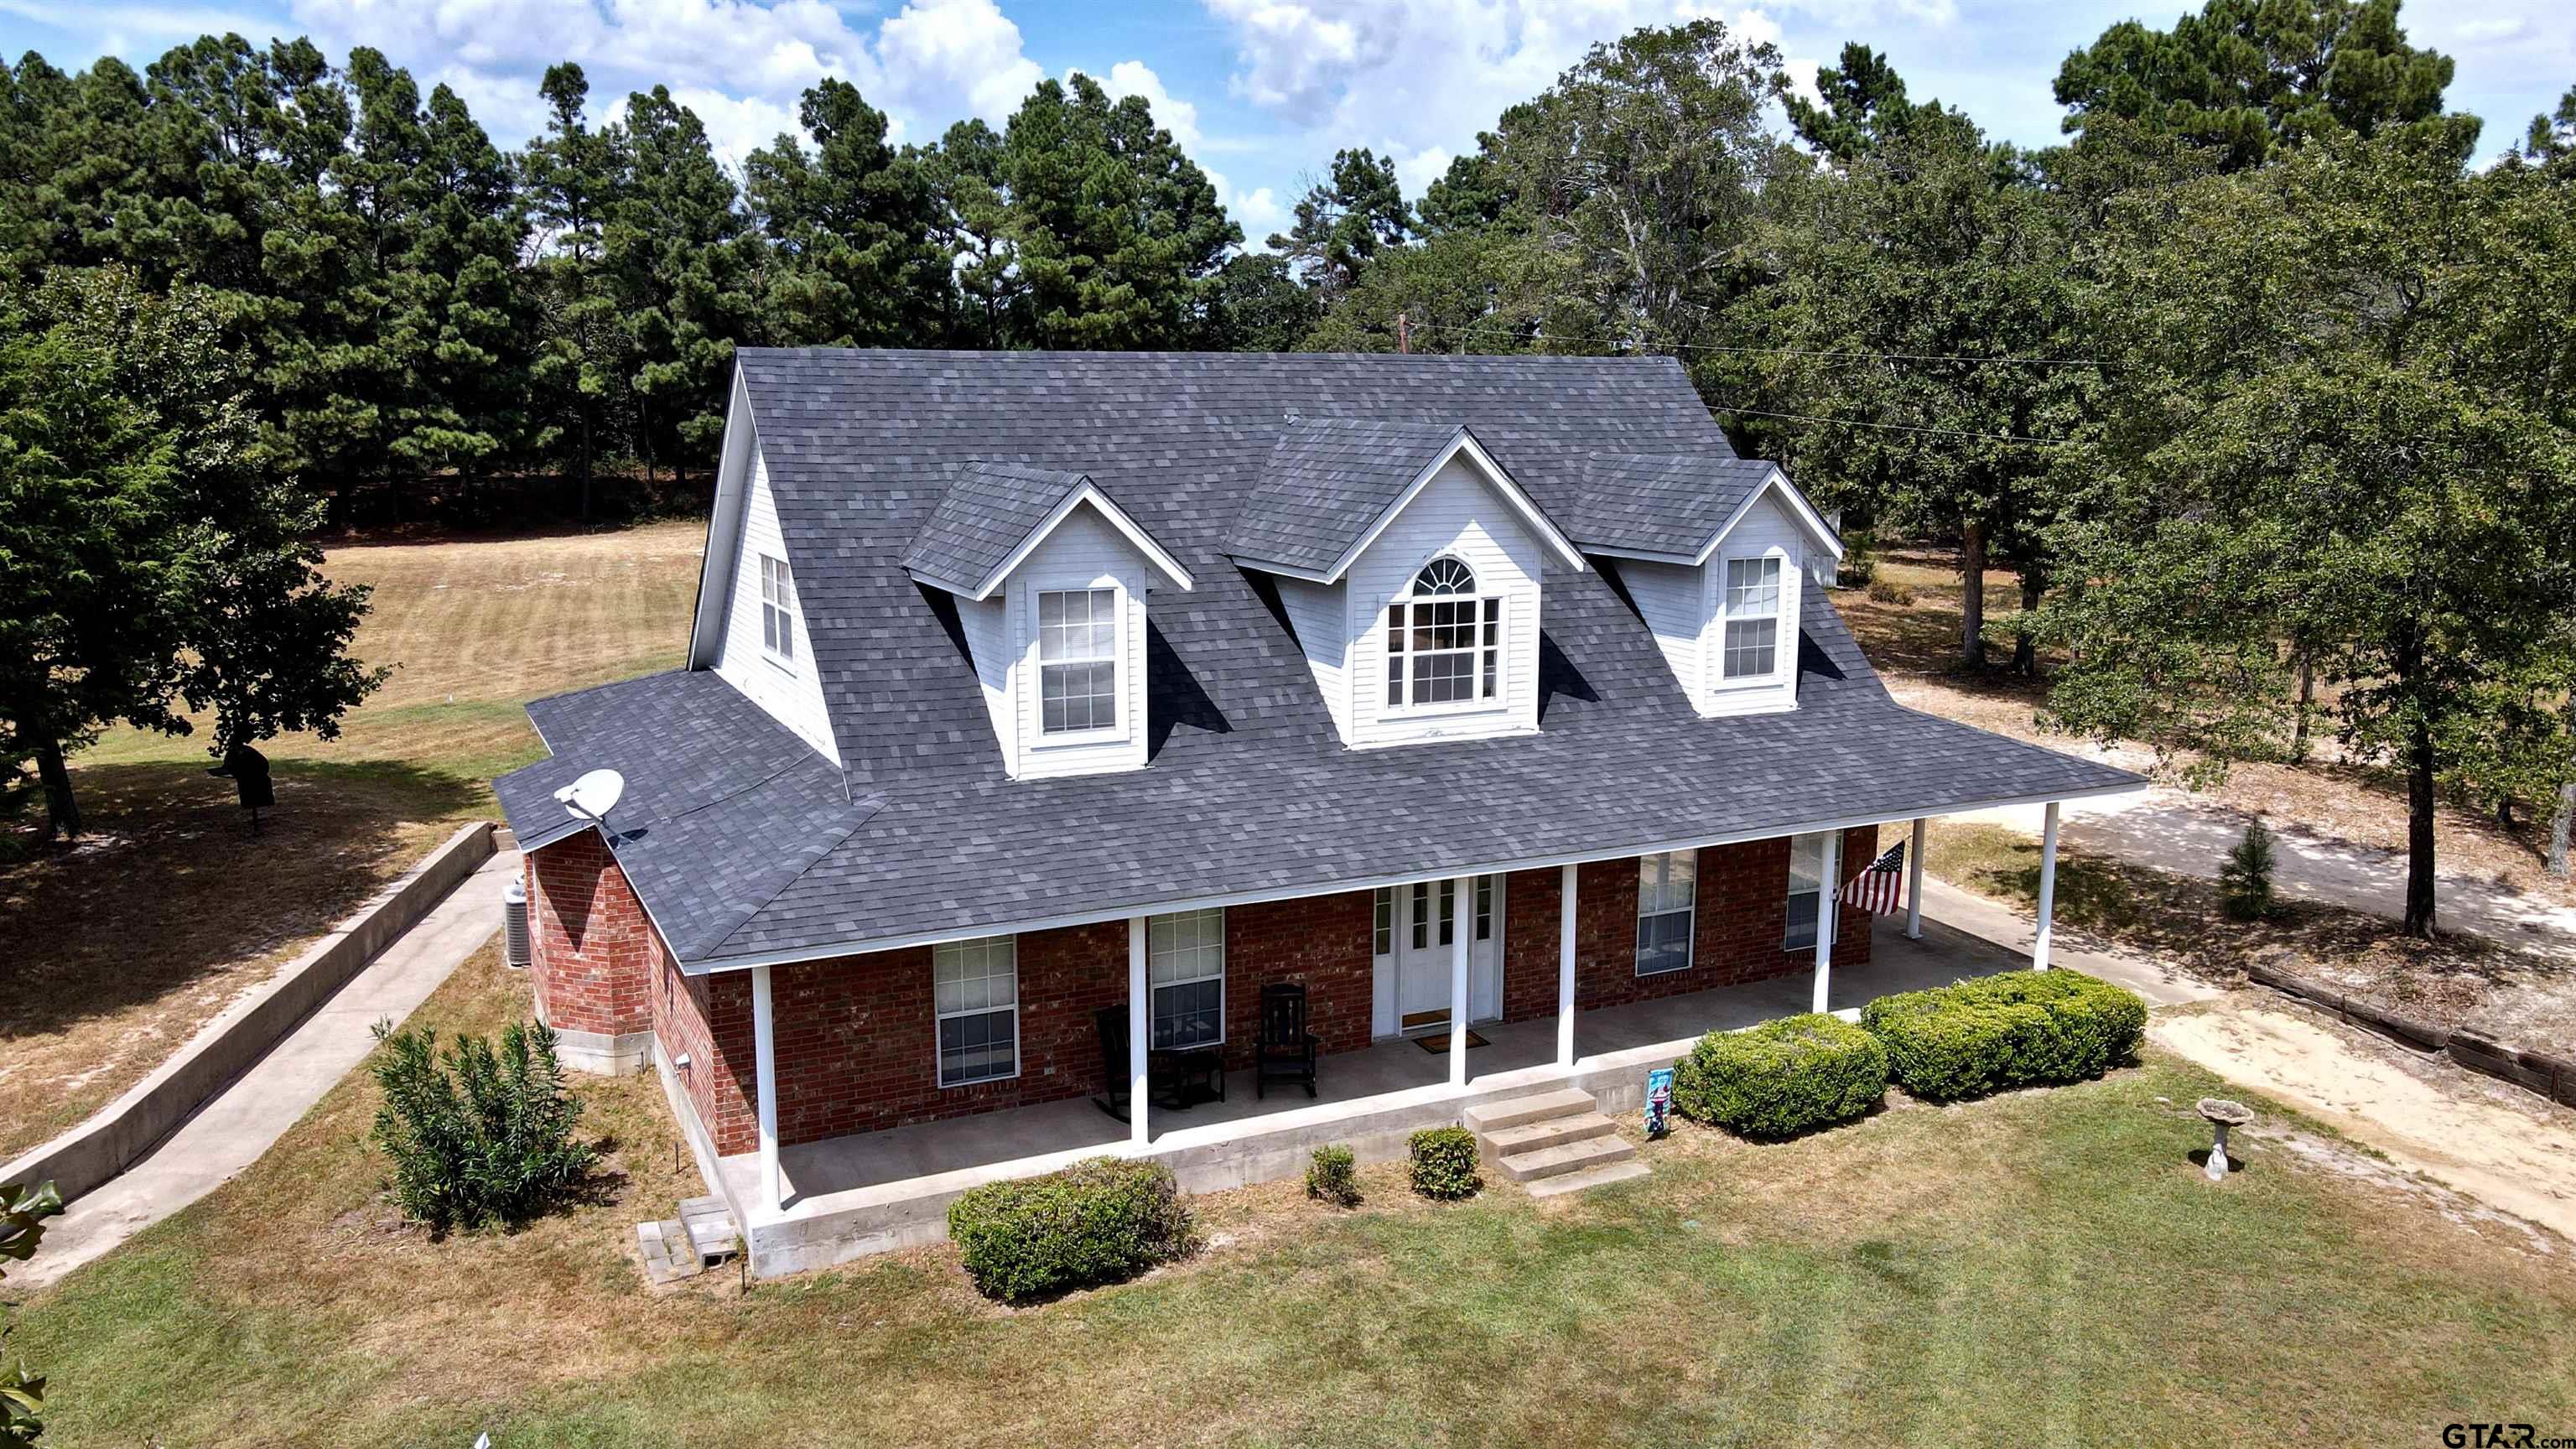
593,795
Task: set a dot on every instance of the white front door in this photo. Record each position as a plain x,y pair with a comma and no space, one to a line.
1413,977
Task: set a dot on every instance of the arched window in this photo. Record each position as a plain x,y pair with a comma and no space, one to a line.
1444,642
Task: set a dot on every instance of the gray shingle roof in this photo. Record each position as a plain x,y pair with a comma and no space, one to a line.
1660,502
1250,789
988,510
1326,481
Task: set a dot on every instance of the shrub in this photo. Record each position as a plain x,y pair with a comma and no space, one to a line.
1333,1177
1781,1078
1889,591
2011,1030
1444,1163
2245,877
478,1136
1859,564
1102,1220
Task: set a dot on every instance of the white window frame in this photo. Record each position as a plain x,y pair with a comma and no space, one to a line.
1783,640
1802,904
1162,945
1434,923
777,611
1120,726
1489,658
1382,922
982,948
1688,911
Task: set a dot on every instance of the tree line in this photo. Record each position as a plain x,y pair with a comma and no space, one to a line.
2254,381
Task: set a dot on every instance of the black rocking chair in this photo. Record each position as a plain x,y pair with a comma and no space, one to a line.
1287,1048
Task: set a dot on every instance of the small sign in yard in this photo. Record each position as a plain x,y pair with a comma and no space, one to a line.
1659,1101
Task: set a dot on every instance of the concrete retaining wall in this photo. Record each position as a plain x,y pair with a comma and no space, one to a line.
122,1131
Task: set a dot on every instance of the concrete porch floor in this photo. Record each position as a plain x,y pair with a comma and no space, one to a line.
847,1196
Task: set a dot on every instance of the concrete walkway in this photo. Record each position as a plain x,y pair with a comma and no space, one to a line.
231,1131
2163,828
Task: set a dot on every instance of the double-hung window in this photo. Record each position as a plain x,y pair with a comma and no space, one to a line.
1667,892
975,986
1806,882
1444,642
777,609
1077,660
1185,960
1751,648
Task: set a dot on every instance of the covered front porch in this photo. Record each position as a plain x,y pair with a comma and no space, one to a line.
847,1196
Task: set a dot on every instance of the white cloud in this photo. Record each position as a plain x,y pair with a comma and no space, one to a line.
1135,78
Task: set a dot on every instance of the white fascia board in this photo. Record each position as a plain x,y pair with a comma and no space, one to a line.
1465,442
1263,897
724,527
1799,508
1291,571
1127,527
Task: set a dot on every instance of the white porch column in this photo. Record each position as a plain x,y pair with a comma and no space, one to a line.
1829,881
1565,970
1140,1029
764,1071
1914,885
1462,917
2047,889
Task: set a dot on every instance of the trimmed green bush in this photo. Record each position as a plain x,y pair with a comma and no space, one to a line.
1102,1220
1333,1176
2017,1029
1781,1078
1444,1163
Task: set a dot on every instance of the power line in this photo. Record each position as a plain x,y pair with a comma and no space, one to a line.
1456,331
1896,427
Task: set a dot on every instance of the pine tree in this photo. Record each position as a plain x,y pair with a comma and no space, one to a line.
570,179
853,261
1344,221
2245,877
675,258
971,224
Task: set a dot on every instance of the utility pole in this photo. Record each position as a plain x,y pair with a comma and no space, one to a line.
1403,333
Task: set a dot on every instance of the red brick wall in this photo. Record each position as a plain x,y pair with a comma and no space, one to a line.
1743,915
1323,942
588,939
708,1020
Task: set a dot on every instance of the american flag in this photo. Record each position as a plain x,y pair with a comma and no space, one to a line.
1881,887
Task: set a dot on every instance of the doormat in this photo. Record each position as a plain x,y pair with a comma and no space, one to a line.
1439,1042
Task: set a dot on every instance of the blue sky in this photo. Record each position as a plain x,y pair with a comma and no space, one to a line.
1262,91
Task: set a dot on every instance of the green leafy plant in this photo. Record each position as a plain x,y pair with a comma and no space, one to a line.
2020,1028
1333,1176
23,1211
1444,1163
478,1135
1781,1078
1102,1220
2245,877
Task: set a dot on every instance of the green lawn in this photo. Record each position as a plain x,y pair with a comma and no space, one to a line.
2043,1268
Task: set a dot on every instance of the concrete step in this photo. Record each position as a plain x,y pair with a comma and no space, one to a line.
1548,1132
1565,1182
1494,1116
709,1224
1565,1157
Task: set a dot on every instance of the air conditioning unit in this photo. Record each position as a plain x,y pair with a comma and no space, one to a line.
514,924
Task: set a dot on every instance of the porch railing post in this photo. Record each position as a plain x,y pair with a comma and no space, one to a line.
1462,918
2047,889
764,1075
1565,970
1140,1030
1828,885
1914,885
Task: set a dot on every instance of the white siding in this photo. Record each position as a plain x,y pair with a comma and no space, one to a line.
1766,529
789,690
1674,599
1085,551
988,640
1316,612
1461,514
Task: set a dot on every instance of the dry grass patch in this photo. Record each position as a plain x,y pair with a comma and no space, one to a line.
123,948
2458,979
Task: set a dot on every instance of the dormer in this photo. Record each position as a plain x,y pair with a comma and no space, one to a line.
1716,553
1051,580
1410,565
